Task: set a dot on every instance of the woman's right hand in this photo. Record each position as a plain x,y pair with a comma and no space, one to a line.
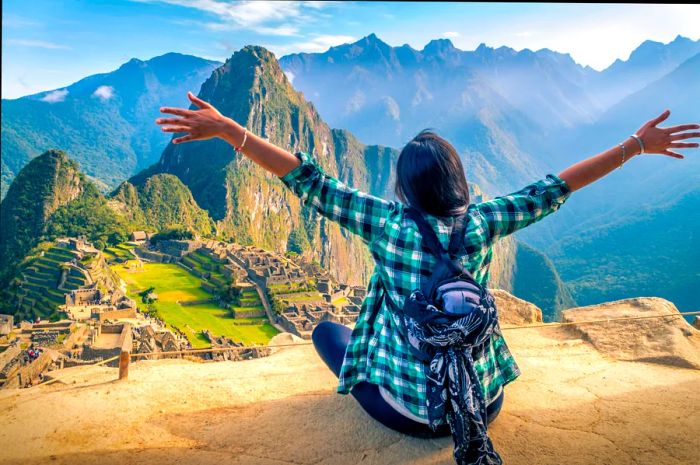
661,140
202,124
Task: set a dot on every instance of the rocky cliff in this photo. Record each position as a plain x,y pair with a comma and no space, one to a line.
252,206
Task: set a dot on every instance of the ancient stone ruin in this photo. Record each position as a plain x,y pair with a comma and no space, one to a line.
91,303
218,342
146,340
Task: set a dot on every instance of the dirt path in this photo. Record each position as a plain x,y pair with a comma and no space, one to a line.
570,406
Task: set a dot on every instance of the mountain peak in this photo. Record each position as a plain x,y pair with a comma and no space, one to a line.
372,40
133,62
439,46
679,38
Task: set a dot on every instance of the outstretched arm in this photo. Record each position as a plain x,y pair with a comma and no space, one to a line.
655,140
359,212
207,123
506,214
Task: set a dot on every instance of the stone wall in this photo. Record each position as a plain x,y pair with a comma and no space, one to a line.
178,248
153,256
255,313
22,375
124,343
117,314
302,318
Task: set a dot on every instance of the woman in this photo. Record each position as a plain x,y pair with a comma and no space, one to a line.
372,362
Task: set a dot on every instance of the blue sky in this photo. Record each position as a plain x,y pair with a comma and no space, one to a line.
48,44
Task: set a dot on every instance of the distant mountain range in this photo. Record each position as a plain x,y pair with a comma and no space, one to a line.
104,121
503,110
513,116
242,202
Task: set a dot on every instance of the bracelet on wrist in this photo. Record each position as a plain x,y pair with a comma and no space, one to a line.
639,141
245,137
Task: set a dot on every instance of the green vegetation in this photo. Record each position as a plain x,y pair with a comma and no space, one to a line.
120,253
38,294
298,242
340,302
89,216
163,202
173,233
537,280
46,183
208,268
229,187
300,296
174,286
51,198
602,264
307,286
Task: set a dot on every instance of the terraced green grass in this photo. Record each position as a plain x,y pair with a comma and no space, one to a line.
119,253
42,276
300,296
207,265
289,288
341,301
173,284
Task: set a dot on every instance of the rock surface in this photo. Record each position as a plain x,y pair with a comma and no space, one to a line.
571,405
515,311
663,340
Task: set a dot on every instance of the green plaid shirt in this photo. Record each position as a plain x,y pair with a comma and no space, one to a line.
377,352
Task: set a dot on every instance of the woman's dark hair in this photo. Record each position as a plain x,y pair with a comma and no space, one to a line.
430,176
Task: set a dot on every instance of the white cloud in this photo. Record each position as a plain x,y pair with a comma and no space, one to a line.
392,108
104,93
55,96
290,76
264,17
355,103
258,12
280,30
319,43
450,34
36,44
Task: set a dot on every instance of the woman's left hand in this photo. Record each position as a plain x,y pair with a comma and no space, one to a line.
202,124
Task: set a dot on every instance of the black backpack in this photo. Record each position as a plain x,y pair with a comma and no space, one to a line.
451,291
446,322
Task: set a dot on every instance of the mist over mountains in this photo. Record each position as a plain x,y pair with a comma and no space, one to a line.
513,116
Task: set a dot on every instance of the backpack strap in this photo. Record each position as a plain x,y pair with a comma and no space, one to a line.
457,237
427,232
431,239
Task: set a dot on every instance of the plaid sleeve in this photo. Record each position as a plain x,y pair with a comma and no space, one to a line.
357,211
505,215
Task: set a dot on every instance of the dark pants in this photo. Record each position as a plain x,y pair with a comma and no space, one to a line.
331,340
